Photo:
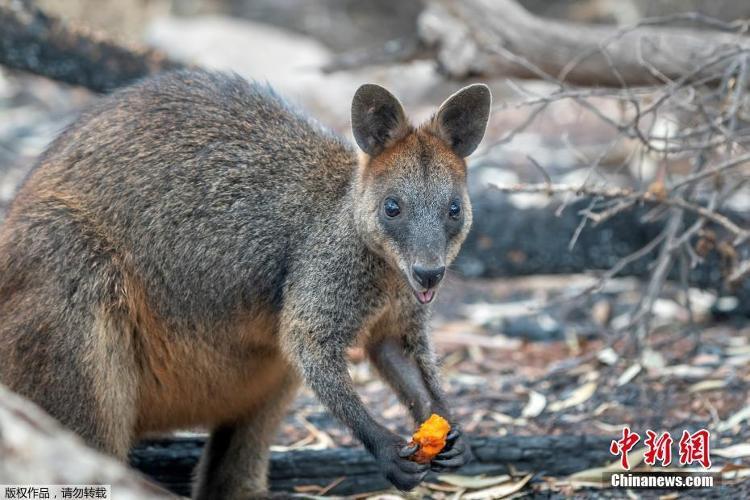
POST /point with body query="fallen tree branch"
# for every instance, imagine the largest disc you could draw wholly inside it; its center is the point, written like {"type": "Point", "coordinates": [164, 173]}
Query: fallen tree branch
{"type": "Point", "coordinates": [499, 38]}
{"type": "Point", "coordinates": [171, 461]}
{"type": "Point", "coordinates": [33, 41]}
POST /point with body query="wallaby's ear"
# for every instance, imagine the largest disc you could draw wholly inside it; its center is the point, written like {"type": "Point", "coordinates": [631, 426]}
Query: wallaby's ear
{"type": "Point", "coordinates": [378, 120]}
{"type": "Point", "coordinates": [462, 118]}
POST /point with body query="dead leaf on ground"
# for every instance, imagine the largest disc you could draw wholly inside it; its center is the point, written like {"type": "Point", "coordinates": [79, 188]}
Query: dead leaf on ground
{"type": "Point", "coordinates": [580, 395]}
{"type": "Point", "coordinates": [740, 450]}
{"type": "Point", "coordinates": [707, 385]}
{"type": "Point", "coordinates": [497, 492]}
{"type": "Point", "coordinates": [686, 371]}
{"type": "Point", "coordinates": [732, 472]}
{"type": "Point", "coordinates": [629, 374]}
{"type": "Point", "coordinates": [442, 487]}
{"type": "Point", "coordinates": [734, 420]}
{"type": "Point", "coordinates": [607, 356]}
{"type": "Point", "coordinates": [535, 406]}
{"type": "Point", "coordinates": [473, 482]}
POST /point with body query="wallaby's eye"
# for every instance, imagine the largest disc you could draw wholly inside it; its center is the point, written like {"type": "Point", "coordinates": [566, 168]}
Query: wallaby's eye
{"type": "Point", "coordinates": [391, 207]}
{"type": "Point", "coordinates": [455, 209]}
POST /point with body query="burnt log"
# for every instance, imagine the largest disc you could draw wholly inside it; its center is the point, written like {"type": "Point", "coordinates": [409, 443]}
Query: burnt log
{"type": "Point", "coordinates": [170, 462]}
{"type": "Point", "coordinates": [33, 41]}
{"type": "Point", "coordinates": [507, 240]}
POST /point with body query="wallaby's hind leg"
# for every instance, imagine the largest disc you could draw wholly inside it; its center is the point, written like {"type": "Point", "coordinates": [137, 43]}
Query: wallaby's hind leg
{"type": "Point", "coordinates": [70, 362]}
{"type": "Point", "coordinates": [234, 464]}
{"type": "Point", "coordinates": [64, 342]}
{"type": "Point", "coordinates": [115, 382]}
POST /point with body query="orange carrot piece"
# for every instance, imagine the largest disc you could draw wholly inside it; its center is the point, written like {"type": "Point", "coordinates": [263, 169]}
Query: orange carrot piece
{"type": "Point", "coordinates": [431, 438]}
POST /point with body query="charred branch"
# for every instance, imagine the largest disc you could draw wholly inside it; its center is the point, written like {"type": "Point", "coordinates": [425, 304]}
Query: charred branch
{"type": "Point", "coordinates": [353, 470]}
{"type": "Point", "coordinates": [32, 41]}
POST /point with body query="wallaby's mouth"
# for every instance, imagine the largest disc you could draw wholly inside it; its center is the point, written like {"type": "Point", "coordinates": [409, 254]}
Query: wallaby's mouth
{"type": "Point", "coordinates": [425, 297]}
{"type": "Point", "coordinates": [424, 282]}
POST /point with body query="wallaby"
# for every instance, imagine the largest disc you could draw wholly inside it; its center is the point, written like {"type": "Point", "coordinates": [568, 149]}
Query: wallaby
{"type": "Point", "coordinates": [192, 247]}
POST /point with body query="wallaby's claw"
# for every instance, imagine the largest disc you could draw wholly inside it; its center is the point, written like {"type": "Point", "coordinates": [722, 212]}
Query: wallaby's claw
{"type": "Point", "coordinates": [408, 450]}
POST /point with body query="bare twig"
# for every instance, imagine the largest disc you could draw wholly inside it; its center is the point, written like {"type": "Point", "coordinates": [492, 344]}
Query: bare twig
{"type": "Point", "coordinates": [627, 193]}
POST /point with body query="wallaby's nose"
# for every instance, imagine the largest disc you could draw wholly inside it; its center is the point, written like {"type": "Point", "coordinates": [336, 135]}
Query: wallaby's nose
{"type": "Point", "coordinates": [428, 278]}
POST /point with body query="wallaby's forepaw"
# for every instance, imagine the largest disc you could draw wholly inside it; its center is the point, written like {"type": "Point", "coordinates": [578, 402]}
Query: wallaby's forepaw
{"type": "Point", "coordinates": [393, 459]}
{"type": "Point", "coordinates": [455, 454]}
